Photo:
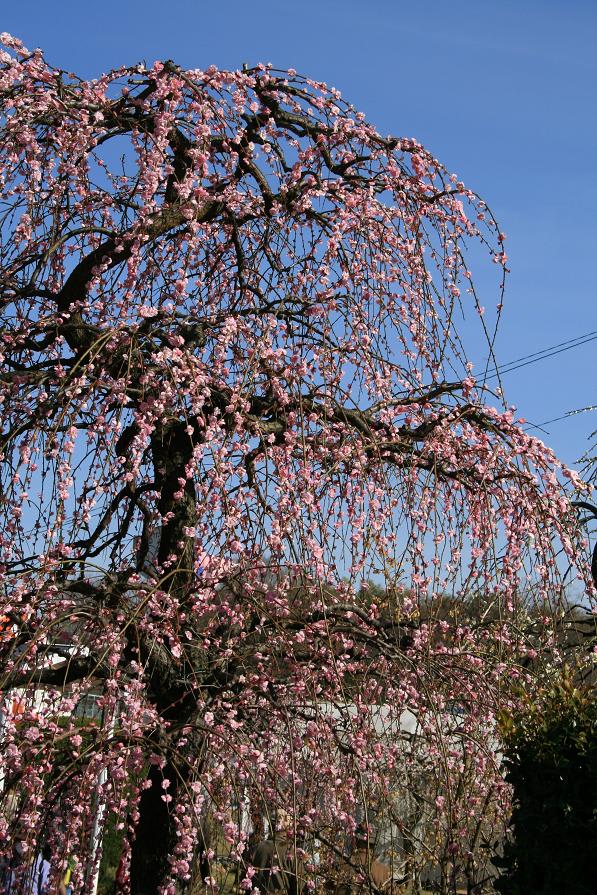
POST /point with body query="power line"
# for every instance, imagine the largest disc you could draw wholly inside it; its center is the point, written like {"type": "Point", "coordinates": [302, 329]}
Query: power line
{"type": "Point", "coordinates": [564, 416]}
{"type": "Point", "coordinates": [545, 353]}
{"type": "Point", "coordinates": [542, 351]}
{"type": "Point", "coordinates": [543, 357]}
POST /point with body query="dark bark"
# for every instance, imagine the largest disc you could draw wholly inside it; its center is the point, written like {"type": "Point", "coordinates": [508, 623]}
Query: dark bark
{"type": "Point", "coordinates": [172, 449]}
{"type": "Point", "coordinates": [155, 834]}
{"type": "Point", "coordinates": [56, 676]}
{"type": "Point", "coordinates": [155, 837]}
{"type": "Point", "coordinates": [153, 840]}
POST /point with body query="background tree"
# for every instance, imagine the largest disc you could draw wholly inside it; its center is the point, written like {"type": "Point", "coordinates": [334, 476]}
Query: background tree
{"type": "Point", "coordinates": [234, 388]}
{"type": "Point", "coordinates": [551, 761]}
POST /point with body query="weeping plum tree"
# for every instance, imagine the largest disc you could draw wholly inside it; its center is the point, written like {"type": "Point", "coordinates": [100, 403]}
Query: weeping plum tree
{"type": "Point", "coordinates": [234, 386]}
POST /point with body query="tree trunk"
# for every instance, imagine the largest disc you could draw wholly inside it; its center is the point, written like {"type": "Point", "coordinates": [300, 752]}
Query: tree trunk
{"type": "Point", "coordinates": [154, 836]}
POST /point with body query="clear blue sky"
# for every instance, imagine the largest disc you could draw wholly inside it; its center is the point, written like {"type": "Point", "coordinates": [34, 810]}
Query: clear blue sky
{"type": "Point", "coordinates": [504, 93]}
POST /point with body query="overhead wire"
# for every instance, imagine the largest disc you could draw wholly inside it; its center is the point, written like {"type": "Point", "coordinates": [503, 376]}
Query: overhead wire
{"type": "Point", "coordinates": [564, 416]}
{"type": "Point", "coordinates": [536, 356]}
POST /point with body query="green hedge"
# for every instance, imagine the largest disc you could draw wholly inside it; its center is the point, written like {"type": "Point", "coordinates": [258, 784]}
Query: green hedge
{"type": "Point", "coordinates": [551, 762]}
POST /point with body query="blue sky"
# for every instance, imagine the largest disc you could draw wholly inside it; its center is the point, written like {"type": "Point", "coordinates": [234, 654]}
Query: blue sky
{"type": "Point", "coordinates": [504, 94]}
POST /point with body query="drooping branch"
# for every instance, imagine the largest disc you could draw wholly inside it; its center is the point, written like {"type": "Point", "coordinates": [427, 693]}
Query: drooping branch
{"type": "Point", "coordinates": [584, 505]}
{"type": "Point", "coordinates": [234, 393]}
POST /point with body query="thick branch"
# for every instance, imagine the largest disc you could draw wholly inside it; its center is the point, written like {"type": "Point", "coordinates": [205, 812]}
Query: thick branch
{"type": "Point", "coordinates": [81, 335]}
{"type": "Point", "coordinates": [55, 676]}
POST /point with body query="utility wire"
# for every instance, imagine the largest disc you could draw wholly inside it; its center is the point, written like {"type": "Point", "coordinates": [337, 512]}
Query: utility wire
{"type": "Point", "coordinates": [502, 371]}
{"type": "Point", "coordinates": [542, 351]}
{"type": "Point", "coordinates": [545, 353]}
{"type": "Point", "coordinates": [564, 416]}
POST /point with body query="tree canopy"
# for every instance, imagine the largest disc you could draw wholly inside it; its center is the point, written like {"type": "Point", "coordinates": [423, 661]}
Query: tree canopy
{"type": "Point", "coordinates": [235, 385]}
